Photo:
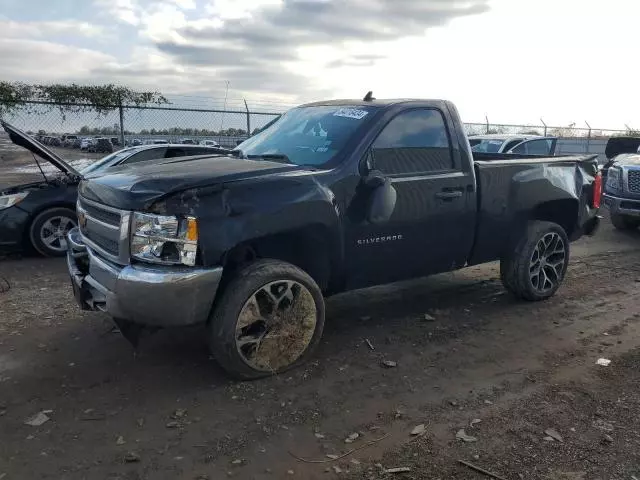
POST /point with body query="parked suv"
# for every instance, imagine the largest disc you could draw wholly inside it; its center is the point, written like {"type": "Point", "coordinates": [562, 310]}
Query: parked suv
{"type": "Point", "coordinates": [622, 184]}
{"type": "Point", "coordinates": [101, 145]}
{"type": "Point", "coordinates": [69, 140]}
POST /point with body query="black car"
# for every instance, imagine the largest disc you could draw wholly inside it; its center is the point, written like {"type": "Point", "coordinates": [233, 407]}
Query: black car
{"type": "Point", "coordinates": [101, 145]}
{"type": "Point", "coordinates": [38, 215]}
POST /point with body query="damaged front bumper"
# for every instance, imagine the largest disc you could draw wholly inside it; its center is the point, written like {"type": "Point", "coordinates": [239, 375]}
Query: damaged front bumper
{"type": "Point", "coordinates": [155, 296]}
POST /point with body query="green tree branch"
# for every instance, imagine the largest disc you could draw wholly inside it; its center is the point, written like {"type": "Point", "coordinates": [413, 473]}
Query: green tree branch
{"type": "Point", "coordinates": [72, 98]}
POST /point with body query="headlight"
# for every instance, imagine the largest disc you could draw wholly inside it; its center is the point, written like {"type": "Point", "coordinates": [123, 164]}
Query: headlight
{"type": "Point", "coordinates": [614, 178]}
{"type": "Point", "coordinates": [7, 201]}
{"type": "Point", "coordinates": [164, 239]}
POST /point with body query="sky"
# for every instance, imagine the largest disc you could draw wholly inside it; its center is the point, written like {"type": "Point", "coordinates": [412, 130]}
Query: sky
{"type": "Point", "coordinates": [514, 61]}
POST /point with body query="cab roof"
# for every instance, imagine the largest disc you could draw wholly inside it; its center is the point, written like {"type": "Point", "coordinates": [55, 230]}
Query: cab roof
{"type": "Point", "coordinates": [375, 102]}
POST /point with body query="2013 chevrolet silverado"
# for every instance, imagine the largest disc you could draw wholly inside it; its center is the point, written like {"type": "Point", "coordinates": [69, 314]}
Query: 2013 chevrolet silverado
{"type": "Point", "coordinates": [333, 196]}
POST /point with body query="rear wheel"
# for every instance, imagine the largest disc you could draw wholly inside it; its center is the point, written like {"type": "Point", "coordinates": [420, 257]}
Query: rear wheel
{"type": "Point", "coordinates": [537, 266]}
{"type": "Point", "coordinates": [48, 231]}
{"type": "Point", "coordinates": [269, 319]}
{"type": "Point", "coordinates": [623, 222]}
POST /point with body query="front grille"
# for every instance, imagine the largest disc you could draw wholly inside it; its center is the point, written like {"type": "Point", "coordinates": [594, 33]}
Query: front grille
{"type": "Point", "coordinates": [107, 244]}
{"type": "Point", "coordinates": [111, 218]}
{"type": "Point", "coordinates": [634, 181]}
{"type": "Point", "coordinates": [100, 226]}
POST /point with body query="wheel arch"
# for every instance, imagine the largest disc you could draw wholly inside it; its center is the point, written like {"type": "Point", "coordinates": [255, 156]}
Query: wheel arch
{"type": "Point", "coordinates": [309, 248]}
{"type": "Point", "coordinates": [563, 212]}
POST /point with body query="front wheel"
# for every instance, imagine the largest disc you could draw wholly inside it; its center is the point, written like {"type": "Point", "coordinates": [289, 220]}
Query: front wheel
{"type": "Point", "coordinates": [535, 269]}
{"type": "Point", "coordinates": [48, 231]}
{"type": "Point", "coordinates": [269, 319]}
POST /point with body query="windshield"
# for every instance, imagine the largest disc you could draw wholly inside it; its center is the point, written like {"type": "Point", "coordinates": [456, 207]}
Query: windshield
{"type": "Point", "coordinates": [108, 160]}
{"type": "Point", "coordinates": [309, 136]}
{"type": "Point", "coordinates": [486, 145]}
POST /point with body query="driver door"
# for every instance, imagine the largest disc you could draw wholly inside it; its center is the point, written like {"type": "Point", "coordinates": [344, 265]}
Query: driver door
{"type": "Point", "coordinates": [431, 228]}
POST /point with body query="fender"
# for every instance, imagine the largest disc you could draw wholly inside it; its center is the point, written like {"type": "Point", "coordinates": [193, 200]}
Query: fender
{"type": "Point", "coordinates": [236, 213]}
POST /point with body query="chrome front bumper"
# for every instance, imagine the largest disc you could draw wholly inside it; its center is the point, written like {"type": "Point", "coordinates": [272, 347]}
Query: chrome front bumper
{"type": "Point", "coordinates": [622, 206]}
{"type": "Point", "coordinates": [147, 295]}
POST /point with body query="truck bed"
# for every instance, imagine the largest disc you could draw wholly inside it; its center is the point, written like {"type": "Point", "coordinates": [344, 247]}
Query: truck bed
{"type": "Point", "coordinates": [511, 190]}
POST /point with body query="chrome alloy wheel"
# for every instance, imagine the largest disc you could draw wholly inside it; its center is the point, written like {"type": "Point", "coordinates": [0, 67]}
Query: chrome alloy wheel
{"type": "Point", "coordinates": [276, 325]}
{"type": "Point", "coordinates": [547, 264]}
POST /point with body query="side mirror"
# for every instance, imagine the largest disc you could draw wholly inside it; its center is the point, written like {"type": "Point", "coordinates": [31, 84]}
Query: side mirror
{"type": "Point", "coordinates": [383, 198]}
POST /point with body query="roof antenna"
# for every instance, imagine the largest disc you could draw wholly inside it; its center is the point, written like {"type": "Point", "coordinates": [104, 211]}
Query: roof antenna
{"type": "Point", "coordinates": [368, 97]}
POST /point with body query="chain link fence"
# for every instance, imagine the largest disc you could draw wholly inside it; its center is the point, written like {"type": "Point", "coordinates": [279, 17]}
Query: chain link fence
{"type": "Point", "coordinates": [131, 125]}
{"type": "Point", "coordinates": [222, 123]}
{"type": "Point", "coordinates": [546, 130]}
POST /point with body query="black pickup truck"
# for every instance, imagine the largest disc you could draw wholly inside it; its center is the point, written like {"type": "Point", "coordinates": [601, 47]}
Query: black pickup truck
{"type": "Point", "coordinates": [333, 196]}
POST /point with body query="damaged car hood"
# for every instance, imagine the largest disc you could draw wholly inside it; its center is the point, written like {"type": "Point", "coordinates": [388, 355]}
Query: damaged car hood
{"type": "Point", "coordinates": [18, 137]}
{"type": "Point", "coordinates": [136, 188]}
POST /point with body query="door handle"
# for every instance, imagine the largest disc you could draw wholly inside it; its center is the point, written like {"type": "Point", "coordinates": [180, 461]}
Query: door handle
{"type": "Point", "coordinates": [449, 195]}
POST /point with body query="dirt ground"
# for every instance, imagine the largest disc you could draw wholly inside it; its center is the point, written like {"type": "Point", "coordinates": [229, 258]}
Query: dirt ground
{"type": "Point", "coordinates": [527, 371]}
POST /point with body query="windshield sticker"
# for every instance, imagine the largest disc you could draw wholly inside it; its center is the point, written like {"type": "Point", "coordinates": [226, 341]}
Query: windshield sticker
{"type": "Point", "coordinates": [351, 113]}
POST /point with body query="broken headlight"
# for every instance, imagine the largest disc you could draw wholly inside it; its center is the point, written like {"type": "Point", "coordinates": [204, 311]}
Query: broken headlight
{"type": "Point", "coordinates": [165, 239]}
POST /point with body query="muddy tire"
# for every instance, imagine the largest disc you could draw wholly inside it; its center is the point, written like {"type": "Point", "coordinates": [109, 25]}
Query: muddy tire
{"type": "Point", "coordinates": [48, 231]}
{"type": "Point", "coordinates": [622, 222]}
{"type": "Point", "coordinates": [268, 319]}
{"type": "Point", "coordinates": [536, 267]}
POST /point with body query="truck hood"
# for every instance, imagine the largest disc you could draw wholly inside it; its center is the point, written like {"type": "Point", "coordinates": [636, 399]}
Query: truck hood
{"type": "Point", "coordinates": [137, 188]}
{"type": "Point", "coordinates": [627, 159]}
{"type": "Point", "coordinates": [21, 139]}
{"type": "Point", "coordinates": [618, 145]}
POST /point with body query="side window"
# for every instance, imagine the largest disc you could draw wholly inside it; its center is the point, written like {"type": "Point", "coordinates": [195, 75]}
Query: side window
{"type": "Point", "coordinates": [198, 151]}
{"type": "Point", "coordinates": [144, 155]}
{"type": "Point", "coordinates": [413, 142]}
{"type": "Point", "coordinates": [175, 152]}
{"type": "Point", "coordinates": [511, 144]}
{"type": "Point", "coordinates": [534, 147]}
